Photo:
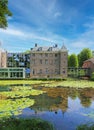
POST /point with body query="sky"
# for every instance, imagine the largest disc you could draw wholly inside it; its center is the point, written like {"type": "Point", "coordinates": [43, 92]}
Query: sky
{"type": "Point", "coordinates": [49, 22]}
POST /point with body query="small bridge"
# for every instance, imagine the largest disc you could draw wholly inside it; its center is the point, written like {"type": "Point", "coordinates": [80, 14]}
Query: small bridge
{"type": "Point", "coordinates": [79, 72]}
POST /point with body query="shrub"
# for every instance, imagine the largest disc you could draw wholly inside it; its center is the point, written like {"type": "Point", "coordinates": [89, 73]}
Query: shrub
{"type": "Point", "coordinates": [25, 124]}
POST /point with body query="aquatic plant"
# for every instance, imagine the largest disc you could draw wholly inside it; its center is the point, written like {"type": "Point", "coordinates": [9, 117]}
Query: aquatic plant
{"type": "Point", "coordinates": [11, 107]}
{"type": "Point", "coordinates": [20, 93]}
{"type": "Point", "coordinates": [12, 102]}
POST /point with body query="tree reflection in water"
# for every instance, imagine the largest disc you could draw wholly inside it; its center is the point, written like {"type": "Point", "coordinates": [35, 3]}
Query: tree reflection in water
{"type": "Point", "coordinates": [57, 98]}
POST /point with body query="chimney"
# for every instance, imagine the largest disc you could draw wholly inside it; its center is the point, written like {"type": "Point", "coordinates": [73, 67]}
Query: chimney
{"type": "Point", "coordinates": [35, 44]}
{"type": "Point", "coordinates": [55, 45]}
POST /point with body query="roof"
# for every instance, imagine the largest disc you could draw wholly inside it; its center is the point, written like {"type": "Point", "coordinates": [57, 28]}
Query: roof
{"type": "Point", "coordinates": [63, 48]}
{"type": "Point", "coordinates": [49, 48]}
{"type": "Point", "coordinates": [91, 60]}
{"type": "Point", "coordinates": [45, 48]}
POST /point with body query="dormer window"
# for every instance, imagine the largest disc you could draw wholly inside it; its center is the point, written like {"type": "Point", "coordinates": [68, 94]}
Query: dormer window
{"type": "Point", "coordinates": [40, 49]}
{"type": "Point", "coordinates": [50, 49]}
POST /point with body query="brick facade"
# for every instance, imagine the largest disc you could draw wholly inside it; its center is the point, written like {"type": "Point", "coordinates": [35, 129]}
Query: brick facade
{"type": "Point", "coordinates": [89, 64]}
{"type": "Point", "coordinates": [48, 62]}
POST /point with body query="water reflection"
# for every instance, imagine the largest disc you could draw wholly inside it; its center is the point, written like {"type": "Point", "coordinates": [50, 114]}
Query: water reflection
{"type": "Point", "coordinates": [67, 105]}
{"type": "Point", "coordinates": [57, 98]}
{"type": "Point", "coordinates": [66, 108]}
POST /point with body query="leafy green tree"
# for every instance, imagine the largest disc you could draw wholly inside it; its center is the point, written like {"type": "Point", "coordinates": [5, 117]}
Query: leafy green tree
{"type": "Point", "coordinates": [68, 61]}
{"type": "Point", "coordinates": [78, 59]}
{"type": "Point", "coordinates": [27, 52]}
{"type": "Point", "coordinates": [4, 13]}
{"type": "Point", "coordinates": [73, 60]}
{"type": "Point", "coordinates": [85, 54]}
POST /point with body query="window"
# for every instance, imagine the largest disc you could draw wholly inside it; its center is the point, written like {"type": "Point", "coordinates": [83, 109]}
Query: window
{"type": "Point", "coordinates": [55, 55]}
{"type": "Point", "coordinates": [40, 49]}
{"type": "Point", "coordinates": [33, 71]}
{"type": "Point", "coordinates": [41, 61]}
{"type": "Point", "coordinates": [46, 54]}
{"type": "Point", "coordinates": [63, 71]}
{"type": "Point", "coordinates": [46, 61]}
{"type": "Point", "coordinates": [56, 71]}
{"type": "Point", "coordinates": [50, 49]}
{"type": "Point", "coordinates": [40, 71]}
{"type": "Point", "coordinates": [46, 70]}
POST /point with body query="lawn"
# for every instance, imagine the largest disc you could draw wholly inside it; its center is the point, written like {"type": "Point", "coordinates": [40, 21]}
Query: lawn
{"type": "Point", "coordinates": [76, 83]}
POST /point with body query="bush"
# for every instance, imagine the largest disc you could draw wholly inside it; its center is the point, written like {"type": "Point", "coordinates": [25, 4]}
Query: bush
{"type": "Point", "coordinates": [25, 124]}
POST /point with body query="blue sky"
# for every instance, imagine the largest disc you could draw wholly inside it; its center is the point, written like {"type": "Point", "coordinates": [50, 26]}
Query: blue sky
{"type": "Point", "coordinates": [48, 22]}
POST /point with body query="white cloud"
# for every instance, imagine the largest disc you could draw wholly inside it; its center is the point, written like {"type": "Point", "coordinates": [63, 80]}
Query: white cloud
{"type": "Point", "coordinates": [33, 23]}
{"type": "Point", "coordinates": [12, 32]}
{"type": "Point", "coordinates": [85, 40]}
{"type": "Point", "coordinates": [48, 37]}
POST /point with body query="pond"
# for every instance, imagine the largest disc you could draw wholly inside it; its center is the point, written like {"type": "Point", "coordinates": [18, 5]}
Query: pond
{"type": "Point", "coordinates": [65, 108]}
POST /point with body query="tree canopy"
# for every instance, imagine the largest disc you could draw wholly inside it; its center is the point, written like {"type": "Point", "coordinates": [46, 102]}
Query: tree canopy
{"type": "Point", "coordinates": [85, 54]}
{"type": "Point", "coordinates": [4, 13]}
{"type": "Point", "coordinates": [73, 60]}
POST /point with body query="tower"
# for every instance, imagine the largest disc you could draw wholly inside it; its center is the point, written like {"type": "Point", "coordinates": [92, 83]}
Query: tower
{"type": "Point", "coordinates": [63, 61]}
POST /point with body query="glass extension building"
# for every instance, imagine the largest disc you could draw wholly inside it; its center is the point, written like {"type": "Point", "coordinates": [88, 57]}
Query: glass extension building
{"type": "Point", "coordinates": [19, 60]}
{"type": "Point", "coordinates": [13, 73]}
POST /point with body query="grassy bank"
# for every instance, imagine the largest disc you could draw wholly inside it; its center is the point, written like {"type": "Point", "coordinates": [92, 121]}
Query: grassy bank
{"type": "Point", "coordinates": [10, 82]}
{"type": "Point", "coordinates": [72, 83]}
{"type": "Point", "coordinates": [76, 83]}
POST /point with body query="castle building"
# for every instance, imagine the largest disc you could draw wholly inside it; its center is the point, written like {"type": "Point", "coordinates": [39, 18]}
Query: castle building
{"type": "Point", "coordinates": [48, 62]}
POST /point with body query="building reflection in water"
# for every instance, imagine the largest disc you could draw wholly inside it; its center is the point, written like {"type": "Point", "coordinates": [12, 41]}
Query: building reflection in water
{"type": "Point", "coordinates": [57, 99]}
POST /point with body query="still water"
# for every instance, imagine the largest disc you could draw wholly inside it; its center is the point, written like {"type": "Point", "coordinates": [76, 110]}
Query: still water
{"type": "Point", "coordinates": [65, 108]}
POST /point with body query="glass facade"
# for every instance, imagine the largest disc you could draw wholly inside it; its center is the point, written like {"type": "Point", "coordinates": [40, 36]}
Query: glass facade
{"type": "Point", "coordinates": [21, 60]}
{"type": "Point", "coordinates": [18, 60]}
{"type": "Point", "coordinates": [13, 73]}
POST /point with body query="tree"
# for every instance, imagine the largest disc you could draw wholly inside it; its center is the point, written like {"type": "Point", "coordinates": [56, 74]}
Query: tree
{"type": "Point", "coordinates": [4, 13]}
{"type": "Point", "coordinates": [27, 52]}
{"type": "Point", "coordinates": [73, 60]}
{"type": "Point", "coordinates": [85, 54]}
{"type": "Point", "coordinates": [68, 60]}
